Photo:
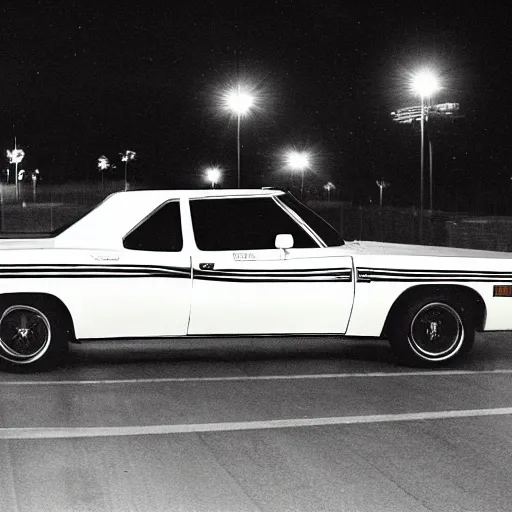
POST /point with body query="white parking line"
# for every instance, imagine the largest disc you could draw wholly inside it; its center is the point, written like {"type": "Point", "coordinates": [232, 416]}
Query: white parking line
{"type": "Point", "coordinates": [251, 377]}
{"type": "Point", "coordinates": [75, 432]}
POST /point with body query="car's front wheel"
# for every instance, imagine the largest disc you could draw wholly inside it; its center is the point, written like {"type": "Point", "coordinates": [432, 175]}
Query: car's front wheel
{"type": "Point", "coordinates": [432, 330]}
{"type": "Point", "coordinates": [32, 333]}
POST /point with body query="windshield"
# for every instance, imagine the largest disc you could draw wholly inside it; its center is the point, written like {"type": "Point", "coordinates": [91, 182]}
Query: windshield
{"type": "Point", "coordinates": [322, 228]}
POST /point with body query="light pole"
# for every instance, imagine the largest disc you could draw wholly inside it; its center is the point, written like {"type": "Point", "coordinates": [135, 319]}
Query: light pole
{"type": "Point", "coordinates": [425, 83]}
{"type": "Point", "coordinates": [430, 170]}
{"type": "Point", "coordinates": [382, 185]}
{"type": "Point", "coordinates": [213, 176]}
{"type": "Point", "coordinates": [35, 178]}
{"type": "Point", "coordinates": [15, 157]}
{"type": "Point", "coordinates": [126, 157]}
{"type": "Point", "coordinates": [239, 102]}
{"type": "Point", "coordinates": [299, 161]}
{"type": "Point", "coordinates": [410, 115]}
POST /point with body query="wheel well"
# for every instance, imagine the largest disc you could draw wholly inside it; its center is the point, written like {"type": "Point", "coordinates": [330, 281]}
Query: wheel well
{"type": "Point", "coordinates": [464, 293]}
{"type": "Point", "coordinates": [49, 299]}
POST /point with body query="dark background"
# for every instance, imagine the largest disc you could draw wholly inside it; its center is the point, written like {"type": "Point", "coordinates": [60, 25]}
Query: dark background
{"type": "Point", "coordinates": [84, 78]}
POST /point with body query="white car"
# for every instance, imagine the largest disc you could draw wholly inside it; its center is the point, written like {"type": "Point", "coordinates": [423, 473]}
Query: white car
{"type": "Point", "coordinates": [153, 264]}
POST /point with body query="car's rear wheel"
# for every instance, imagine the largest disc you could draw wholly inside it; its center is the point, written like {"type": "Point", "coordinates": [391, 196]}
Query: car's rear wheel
{"type": "Point", "coordinates": [430, 331]}
{"type": "Point", "coordinates": [32, 333]}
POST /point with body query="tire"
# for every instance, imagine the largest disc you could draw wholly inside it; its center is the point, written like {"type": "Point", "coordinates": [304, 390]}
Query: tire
{"type": "Point", "coordinates": [33, 334]}
{"type": "Point", "coordinates": [432, 330]}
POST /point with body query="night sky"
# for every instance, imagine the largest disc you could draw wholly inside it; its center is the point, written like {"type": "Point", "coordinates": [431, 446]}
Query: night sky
{"type": "Point", "coordinates": [84, 78]}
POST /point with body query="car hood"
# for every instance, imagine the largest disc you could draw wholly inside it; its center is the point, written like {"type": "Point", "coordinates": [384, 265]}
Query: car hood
{"type": "Point", "coordinates": [389, 249]}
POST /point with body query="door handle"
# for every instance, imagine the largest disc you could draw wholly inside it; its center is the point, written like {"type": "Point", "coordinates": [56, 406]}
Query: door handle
{"type": "Point", "coordinates": [206, 266]}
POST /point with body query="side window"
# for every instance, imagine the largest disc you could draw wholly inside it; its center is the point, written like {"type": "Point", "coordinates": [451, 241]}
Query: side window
{"type": "Point", "coordinates": [161, 231]}
{"type": "Point", "coordinates": [245, 223]}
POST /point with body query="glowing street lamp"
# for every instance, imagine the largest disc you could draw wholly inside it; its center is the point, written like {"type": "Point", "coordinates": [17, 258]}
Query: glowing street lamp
{"type": "Point", "coordinates": [299, 161]}
{"type": "Point", "coordinates": [329, 186]}
{"type": "Point", "coordinates": [126, 157]}
{"type": "Point", "coordinates": [15, 157]}
{"type": "Point", "coordinates": [239, 102]}
{"type": "Point", "coordinates": [424, 83]}
{"type": "Point", "coordinates": [213, 175]}
{"type": "Point", "coordinates": [103, 165]}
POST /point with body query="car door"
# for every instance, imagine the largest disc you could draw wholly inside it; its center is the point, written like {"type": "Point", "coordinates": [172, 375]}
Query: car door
{"type": "Point", "coordinates": [146, 290]}
{"type": "Point", "coordinates": [243, 284]}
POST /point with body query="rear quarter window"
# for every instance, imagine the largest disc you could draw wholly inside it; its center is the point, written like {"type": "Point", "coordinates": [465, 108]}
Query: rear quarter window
{"type": "Point", "coordinates": [160, 232]}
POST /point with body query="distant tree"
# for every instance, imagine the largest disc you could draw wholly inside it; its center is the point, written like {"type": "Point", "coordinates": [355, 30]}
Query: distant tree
{"type": "Point", "coordinates": [127, 157]}
{"type": "Point", "coordinates": [103, 165]}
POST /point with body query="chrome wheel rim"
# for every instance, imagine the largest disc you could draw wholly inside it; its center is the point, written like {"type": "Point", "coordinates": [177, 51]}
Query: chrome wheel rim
{"type": "Point", "coordinates": [436, 332]}
{"type": "Point", "coordinates": [25, 334]}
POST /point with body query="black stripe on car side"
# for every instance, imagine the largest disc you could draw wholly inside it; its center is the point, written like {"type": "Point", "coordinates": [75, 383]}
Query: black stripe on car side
{"type": "Point", "coordinates": [111, 271]}
{"type": "Point", "coordinates": [280, 271]}
{"type": "Point", "coordinates": [77, 271]}
{"type": "Point", "coordinates": [408, 275]}
{"type": "Point", "coordinates": [271, 275]}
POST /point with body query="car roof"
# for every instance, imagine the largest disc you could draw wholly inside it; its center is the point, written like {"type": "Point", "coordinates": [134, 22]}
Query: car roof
{"type": "Point", "coordinates": [119, 212]}
{"type": "Point", "coordinates": [198, 193]}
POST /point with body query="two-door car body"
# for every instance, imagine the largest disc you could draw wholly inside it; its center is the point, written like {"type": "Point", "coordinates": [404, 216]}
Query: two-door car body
{"type": "Point", "coordinates": [163, 263]}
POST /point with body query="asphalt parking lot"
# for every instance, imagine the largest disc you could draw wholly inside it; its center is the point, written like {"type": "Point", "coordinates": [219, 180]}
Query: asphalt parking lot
{"type": "Point", "coordinates": [266, 424]}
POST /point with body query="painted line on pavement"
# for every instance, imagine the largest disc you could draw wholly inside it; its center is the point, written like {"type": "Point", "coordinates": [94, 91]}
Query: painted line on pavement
{"type": "Point", "coordinates": [318, 376]}
{"type": "Point", "coordinates": [81, 432]}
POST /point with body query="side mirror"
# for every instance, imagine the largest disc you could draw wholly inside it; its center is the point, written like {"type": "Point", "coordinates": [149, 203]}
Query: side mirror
{"type": "Point", "coordinates": [284, 241]}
